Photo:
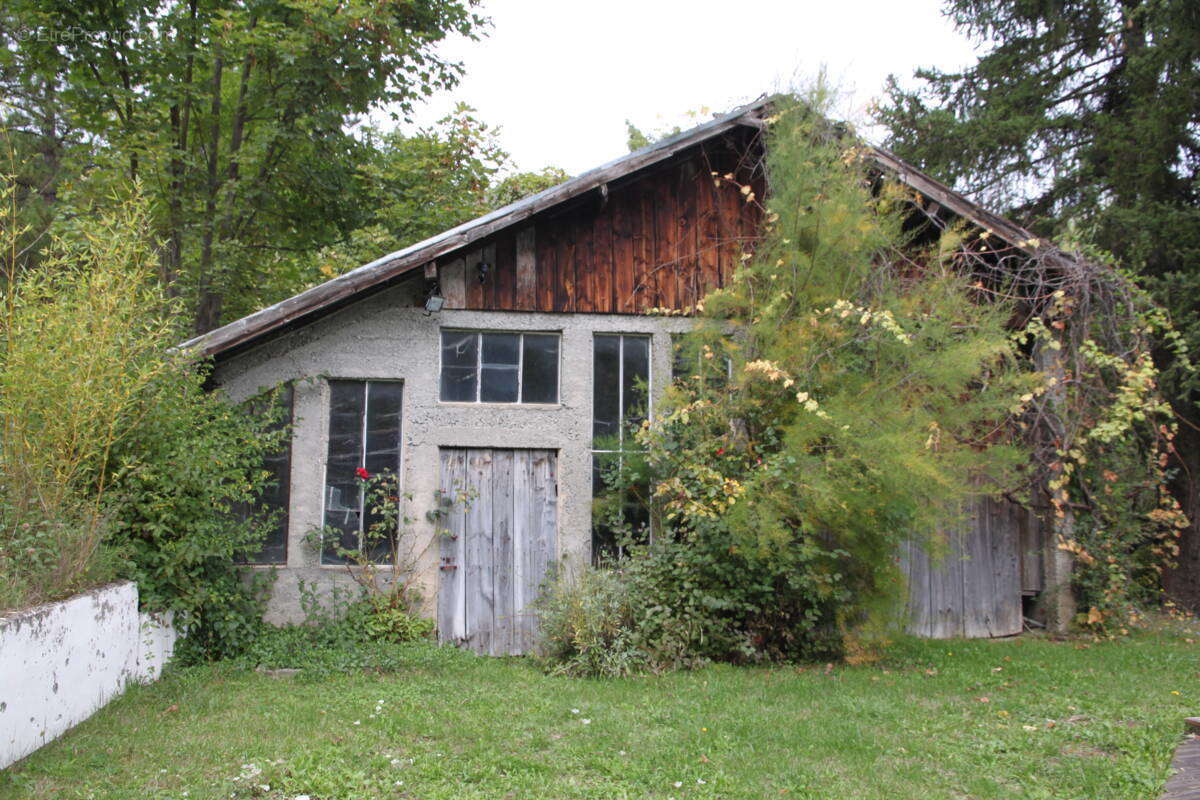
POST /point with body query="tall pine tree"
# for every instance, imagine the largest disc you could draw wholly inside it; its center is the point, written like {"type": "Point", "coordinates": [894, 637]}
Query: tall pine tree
{"type": "Point", "coordinates": [1083, 116]}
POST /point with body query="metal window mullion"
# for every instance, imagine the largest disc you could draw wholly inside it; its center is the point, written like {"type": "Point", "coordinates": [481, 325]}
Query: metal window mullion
{"type": "Point", "coordinates": [479, 366]}
{"type": "Point", "coordinates": [520, 367]}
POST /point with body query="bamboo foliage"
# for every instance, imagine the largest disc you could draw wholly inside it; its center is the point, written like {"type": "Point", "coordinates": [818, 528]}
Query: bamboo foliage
{"type": "Point", "coordinates": [83, 339]}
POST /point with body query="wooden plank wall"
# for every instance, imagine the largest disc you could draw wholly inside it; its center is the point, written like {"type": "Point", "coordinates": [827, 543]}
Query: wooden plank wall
{"type": "Point", "coordinates": [498, 547]}
{"type": "Point", "coordinates": [659, 240]}
{"type": "Point", "coordinates": [974, 590]}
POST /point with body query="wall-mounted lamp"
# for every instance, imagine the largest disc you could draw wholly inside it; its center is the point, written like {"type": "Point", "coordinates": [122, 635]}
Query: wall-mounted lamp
{"type": "Point", "coordinates": [484, 268]}
{"type": "Point", "coordinates": [434, 302]}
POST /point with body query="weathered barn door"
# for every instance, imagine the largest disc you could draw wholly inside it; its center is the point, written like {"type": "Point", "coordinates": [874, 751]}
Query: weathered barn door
{"type": "Point", "coordinates": [498, 544]}
{"type": "Point", "coordinates": [975, 588]}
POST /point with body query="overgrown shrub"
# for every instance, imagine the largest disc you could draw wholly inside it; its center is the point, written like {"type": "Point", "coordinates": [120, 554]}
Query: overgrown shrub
{"type": "Point", "coordinates": [1123, 536]}
{"type": "Point", "coordinates": [78, 355]}
{"type": "Point", "coordinates": [869, 393]}
{"type": "Point", "coordinates": [114, 460]}
{"type": "Point", "coordinates": [179, 484]}
{"type": "Point", "coordinates": [588, 625]}
{"type": "Point", "coordinates": [1108, 460]}
{"type": "Point", "coordinates": [44, 558]}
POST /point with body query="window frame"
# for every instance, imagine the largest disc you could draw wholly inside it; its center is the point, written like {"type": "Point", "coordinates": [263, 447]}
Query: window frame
{"type": "Point", "coordinates": [362, 511]}
{"type": "Point", "coordinates": [622, 450]}
{"type": "Point", "coordinates": [620, 337]}
{"type": "Point", "coordinates": [479, 333]}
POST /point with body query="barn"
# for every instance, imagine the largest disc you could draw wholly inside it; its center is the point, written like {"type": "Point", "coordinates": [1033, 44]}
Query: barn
{"type": "Point", "coordinates": [499, 358]}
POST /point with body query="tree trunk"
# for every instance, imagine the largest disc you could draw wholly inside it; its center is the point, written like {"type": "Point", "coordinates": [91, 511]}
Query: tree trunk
{"type": "Point", "coordinates": [181, 120]}
{"type": "Point", "coordinates": [208, 308]}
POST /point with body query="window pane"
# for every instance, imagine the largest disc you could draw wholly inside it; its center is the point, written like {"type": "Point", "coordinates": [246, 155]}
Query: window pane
{"type": "Point", "coordinates": [604, 538]}
{"type": "Point", "coordinates": [501, 348]}
{"type": "Point", "coordinates": [636, 513]}
{"type": "Point", "coordinates": [636, 380]}
{"type": "Point", "coordinates": [539, 373]}
{"type": "Point", "coordinates": [606, 379]}
{"type": "Point", "coordinates": [343, 502]}
{"type": "Point", "coordinates": [498, 375]}
{"type": "Point", "coordinates": [459, 366]}
{"type": "Point", "coordinates": [383, 426]}
{"type": "Point", "coordinates": [276, 494]}
{"type": "Point", "coordinates": [382, 450]}
{"type": "Point", "coordinates": [498, 384]}
{"type": "Point", "coordinates": [347, 402]}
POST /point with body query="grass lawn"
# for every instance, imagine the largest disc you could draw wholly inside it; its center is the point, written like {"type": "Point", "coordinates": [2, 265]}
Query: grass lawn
{"type": "Point", "coordinates": [983, 719]}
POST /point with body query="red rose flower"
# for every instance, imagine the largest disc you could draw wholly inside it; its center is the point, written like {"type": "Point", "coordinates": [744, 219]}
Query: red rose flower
{"type": "Point", "coordinates": [720, 451]}
{"type": "Point", "coordinates": [362, 473]}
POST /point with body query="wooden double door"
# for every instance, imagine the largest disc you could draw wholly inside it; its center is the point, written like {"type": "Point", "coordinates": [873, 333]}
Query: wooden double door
{"type": "Point", "coordinates": [499, 539]}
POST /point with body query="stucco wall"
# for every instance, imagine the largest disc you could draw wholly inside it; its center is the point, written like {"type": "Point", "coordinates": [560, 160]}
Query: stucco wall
{"type": "Point", "coordinates": [61, 662]}
{"type": "Point", "coordinates": [386, 337]}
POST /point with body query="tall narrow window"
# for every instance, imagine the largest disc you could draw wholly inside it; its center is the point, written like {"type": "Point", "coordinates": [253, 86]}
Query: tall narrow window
{"type": "Point", "coordinates": [620, 403]}
{"type": "Point", "coordinates": [277, 493]}
{"type": "Point", "coordinates": [364, 433]}
{"type": "Point", "coordinates": [485, 367]}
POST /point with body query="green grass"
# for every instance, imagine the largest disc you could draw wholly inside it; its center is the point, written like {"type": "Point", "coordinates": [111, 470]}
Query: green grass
{"type": "Point", "coordinates": [1074, 719]}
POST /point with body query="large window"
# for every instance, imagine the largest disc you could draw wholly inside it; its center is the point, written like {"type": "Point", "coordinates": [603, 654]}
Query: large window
{"type": "Point", "coordinates": [364, 433]}
{"type": "Point", "coordinates": [482, 367]}
{"type": "Point", "coordinates": [620, 403]}
{"type": "Point", "coordinates": [273, 502]}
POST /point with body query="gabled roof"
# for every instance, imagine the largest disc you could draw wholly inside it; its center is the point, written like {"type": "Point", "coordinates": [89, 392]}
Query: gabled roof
{"type": "Point", "coordinates": [337, 291]}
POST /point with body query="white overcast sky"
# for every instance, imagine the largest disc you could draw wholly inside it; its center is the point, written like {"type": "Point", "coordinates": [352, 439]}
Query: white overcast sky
{"type": "Point", "coordinates": [560, 77]}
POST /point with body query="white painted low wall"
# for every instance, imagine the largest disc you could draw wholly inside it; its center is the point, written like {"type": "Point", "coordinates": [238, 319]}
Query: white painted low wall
{"type": "Point", "coordinates": [61, 662]}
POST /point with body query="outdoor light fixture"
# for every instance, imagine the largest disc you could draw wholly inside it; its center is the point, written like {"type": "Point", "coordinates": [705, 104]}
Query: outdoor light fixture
{"type": "Point", "coordinates": [434, 302]}
{"type": "Point", "coordinates": [483, 268]}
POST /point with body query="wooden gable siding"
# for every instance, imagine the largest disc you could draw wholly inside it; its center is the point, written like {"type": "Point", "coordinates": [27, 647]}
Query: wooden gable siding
{"type": "Point", "coordinates": [659, 240]}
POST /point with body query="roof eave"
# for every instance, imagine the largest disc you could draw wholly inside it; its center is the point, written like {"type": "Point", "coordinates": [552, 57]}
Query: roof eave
{"type": "Point", "coordinates": [249, 328]}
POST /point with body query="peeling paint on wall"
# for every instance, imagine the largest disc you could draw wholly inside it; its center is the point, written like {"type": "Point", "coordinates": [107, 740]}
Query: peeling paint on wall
{"type": "Point", "coordinates": [61, 662]}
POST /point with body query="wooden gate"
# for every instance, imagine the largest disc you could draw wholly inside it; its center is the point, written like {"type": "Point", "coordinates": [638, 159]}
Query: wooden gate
{"type": "Point", "coordinates": [498, 543]}
{"type": "Point", "coordinates": [975, 589]}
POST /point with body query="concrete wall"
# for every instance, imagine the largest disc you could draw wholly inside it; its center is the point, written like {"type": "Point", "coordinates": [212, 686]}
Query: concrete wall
{"type": "Point", "coordinates": [386, 337]}
{"type": "Point", "coordinates": [61, 662]}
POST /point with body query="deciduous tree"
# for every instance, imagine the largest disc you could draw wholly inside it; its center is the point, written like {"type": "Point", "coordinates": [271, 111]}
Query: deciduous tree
{"type": "Point", "coordinates": [234, 116]}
